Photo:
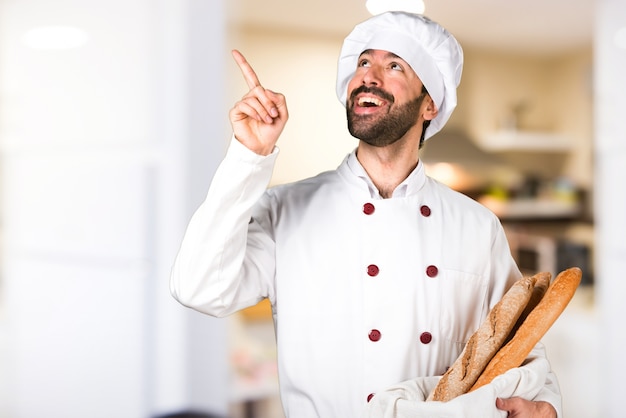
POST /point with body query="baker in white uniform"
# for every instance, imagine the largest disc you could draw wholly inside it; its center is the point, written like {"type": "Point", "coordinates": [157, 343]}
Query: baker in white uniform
{"type": "Point", "coordinates": [376, 273]}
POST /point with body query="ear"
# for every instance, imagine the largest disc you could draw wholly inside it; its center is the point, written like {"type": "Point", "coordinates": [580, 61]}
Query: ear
{"type": "Point", "coordinates": [430, 108]}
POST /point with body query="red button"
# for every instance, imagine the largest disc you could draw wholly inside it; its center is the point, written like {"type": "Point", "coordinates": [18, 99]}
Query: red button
{"type": "Point", "coordinates": [372, 270]}
{"type": "Point", "coordinates": [370, 396]}
{"type": "Point", "coordinates": [425, 211]}
{"type": "Point", "coordinates": [432, 271]}
{"type": "Point", "coordinates": [426, 337]}
{"type": "Point", "coordinates": [368, 208]}
{"type": "Point", "coordinates": [374, 335]}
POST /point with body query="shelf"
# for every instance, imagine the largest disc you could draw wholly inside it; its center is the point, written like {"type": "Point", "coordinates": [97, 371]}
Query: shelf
{"type": "Point", "coordinates": [528, 141]}
{"type": "Point", "coordinates": [532, 208]}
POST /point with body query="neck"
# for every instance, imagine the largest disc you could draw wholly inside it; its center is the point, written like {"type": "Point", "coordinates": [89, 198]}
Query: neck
{"type": "Point", "coordinates": [390, 165]}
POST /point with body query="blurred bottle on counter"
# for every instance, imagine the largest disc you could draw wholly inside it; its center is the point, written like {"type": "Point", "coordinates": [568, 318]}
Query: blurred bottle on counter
{"type": "Point", "coordinates": [565, 190]}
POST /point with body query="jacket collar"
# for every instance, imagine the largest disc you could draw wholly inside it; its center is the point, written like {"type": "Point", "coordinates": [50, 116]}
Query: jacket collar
{"type": "Point", "coordinates": [410, 186]}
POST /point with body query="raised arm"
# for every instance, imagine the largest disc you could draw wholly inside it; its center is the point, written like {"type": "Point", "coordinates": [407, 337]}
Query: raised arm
{"type": "Point", "coordinates": [225, 263]}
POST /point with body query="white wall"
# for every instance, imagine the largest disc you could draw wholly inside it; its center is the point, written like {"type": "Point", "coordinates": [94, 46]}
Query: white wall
{"type": "Point", "coordinates": [610, 169]}
{"type": "Point", "coordinates": [105, 153]}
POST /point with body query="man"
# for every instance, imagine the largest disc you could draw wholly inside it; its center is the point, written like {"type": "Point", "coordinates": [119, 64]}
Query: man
{"type": "Point", "coordinates": [376, 273]}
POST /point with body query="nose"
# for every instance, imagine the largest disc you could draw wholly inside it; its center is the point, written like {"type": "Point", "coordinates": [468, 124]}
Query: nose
{"type": "Point", "coordinates": [373, 76]}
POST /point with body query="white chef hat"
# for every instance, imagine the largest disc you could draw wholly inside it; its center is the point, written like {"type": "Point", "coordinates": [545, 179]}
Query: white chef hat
{"type": "Point", "coordinates": [432, 52]}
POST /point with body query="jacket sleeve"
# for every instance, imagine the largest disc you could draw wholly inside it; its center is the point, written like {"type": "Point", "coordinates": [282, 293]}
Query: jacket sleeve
{"type": "Point", "coordinates": [550, 392]}
{"type": "Point", "coordinates": [226, 262]}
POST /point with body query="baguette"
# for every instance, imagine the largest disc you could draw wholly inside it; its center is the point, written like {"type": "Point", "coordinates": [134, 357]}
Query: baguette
{"type": "Point", "coordinates": [542, 283]}
{"type": "Point", "coordinates": [536, 324]}
{"type": "Point", "coordinates": [485, 342]}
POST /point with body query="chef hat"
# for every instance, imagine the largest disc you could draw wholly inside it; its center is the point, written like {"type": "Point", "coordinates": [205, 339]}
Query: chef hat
{"type": "Point", "coordinates": [432, 52]}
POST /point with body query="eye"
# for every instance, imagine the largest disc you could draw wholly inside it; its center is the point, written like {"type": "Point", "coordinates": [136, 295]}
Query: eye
{"type": "Point", "coordinates": [364, 63]}
{"type": "Point", "coordinates": [395, 66]}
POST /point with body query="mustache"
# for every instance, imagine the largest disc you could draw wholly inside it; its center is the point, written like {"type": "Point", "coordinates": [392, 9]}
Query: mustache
{"type": "Point", "coordinates": [372, 90]}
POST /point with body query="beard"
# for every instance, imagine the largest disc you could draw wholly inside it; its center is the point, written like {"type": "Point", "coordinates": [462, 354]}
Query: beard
{"type": "Point", "coordinates": [382, 129]}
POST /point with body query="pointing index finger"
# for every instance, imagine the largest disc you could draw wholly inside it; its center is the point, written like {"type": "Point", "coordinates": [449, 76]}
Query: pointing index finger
{"type": "Point", "coordinates": [246, 70]}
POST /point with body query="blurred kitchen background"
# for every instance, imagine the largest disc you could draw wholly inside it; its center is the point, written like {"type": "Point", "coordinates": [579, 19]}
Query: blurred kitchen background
{"type": "Point", "coordinates": [113, 118]}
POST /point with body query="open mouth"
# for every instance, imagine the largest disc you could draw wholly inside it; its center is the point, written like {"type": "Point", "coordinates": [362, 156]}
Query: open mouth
{"type": "Point", "coordinates": [369, 102]}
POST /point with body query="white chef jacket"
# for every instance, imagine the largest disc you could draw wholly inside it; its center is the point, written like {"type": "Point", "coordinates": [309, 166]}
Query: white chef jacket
{"type": "Point", "coordinates": [365, 292]}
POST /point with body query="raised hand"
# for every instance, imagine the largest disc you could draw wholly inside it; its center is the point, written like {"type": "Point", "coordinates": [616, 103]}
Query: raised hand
{"type": "Point", "coordinates": [260, 116]}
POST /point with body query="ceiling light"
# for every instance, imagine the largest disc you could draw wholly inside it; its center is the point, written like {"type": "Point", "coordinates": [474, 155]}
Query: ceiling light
{"type": "Point", "coordinates": [376, 7]}
{"type": "Point", "coordinates": [55, 37]}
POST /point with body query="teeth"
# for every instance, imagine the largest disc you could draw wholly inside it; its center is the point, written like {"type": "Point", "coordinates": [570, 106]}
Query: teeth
{"type": "Point", "coordinates": [369, 100]}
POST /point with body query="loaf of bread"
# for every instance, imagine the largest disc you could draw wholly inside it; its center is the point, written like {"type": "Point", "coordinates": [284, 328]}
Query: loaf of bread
{"type": "Point", "coordinates": [485, 342]}
{"type": "Point", "coordinates": [536, 324]}
{"type": "Point", "coordinates": [542, 282]}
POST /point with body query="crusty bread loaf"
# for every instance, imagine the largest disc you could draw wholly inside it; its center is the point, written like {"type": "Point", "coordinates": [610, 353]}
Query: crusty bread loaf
{"type": "Point", "coordinates": [536, 324]}
{"type": "Point", "coordinates": [485, 342]}
{"type": "Point", "coordinates": [542, 282]}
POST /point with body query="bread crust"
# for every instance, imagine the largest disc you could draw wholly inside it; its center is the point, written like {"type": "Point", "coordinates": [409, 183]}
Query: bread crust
{"type": "Point", "coordinates": [536, 324]}
{"type": "Point", "coordinates": [542, 283]}
{"type": "Point", "coordinates": [485, 342]}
